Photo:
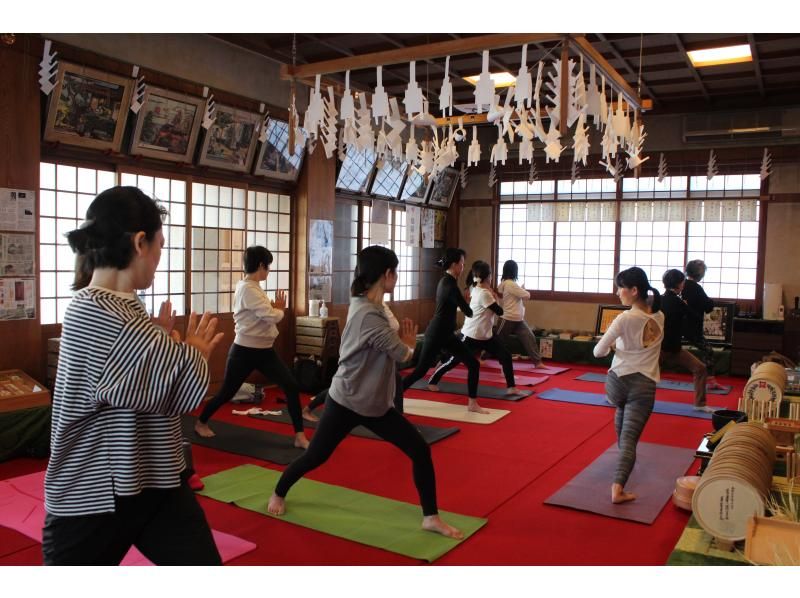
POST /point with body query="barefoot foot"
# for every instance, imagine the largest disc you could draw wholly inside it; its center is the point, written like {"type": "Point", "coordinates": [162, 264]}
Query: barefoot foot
{"type": "Point", "coordinates": [434, 523]}
{"type": "Point", "coordinates": [475, 408]}
{"type": "Point", "coordinates": [618, 494]}
{"type": "Point", "coordinates": [309, 415]}
{"type": "Point", "coordinates": [433, 388]}
{"type": "Point", "coordinates": [513, 390]}
{"type": "Point", "coordinates": [203, 430]}
{"type": "Point", "coordinates": [276, 505]}
{"type": "Point", "coordinates": [300, 440]}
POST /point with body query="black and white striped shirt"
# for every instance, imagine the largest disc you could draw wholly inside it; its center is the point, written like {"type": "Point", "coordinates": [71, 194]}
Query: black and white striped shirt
{"type": "Point", "coordinates": [121, 386]}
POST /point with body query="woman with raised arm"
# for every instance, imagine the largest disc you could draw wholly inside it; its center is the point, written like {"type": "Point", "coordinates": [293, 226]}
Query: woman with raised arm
{"type": "Point", "coordinates": [440, 333]}
{"type": "Point", "coordinates": [114, 479]}
{"type": "Point", "coordinates": [636, 337]}
{"type": "Point", "coordinates": [359, 394]}
{"type": "Point", "coordinates": [256, 330]}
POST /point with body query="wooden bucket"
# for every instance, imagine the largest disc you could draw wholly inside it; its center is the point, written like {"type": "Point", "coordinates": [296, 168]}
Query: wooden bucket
{"type": "Point", "coordinates": [767, 383]}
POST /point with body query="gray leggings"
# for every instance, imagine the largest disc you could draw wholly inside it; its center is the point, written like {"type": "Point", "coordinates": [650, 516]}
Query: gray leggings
{"type": "Point", "coordinates": [525, 335]}
{"type": "Point", "coordinates": [633, 396]}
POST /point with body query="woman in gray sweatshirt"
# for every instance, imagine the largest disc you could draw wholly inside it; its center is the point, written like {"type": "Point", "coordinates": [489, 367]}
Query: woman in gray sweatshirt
{"type": "Point", "coordinates": [360, 394]}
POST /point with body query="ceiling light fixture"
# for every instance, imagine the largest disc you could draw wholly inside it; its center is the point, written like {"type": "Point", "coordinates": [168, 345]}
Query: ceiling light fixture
{"type": "Point", "coordinates": [504, 79]}
{"type": "Point", "coordinates": [717, 56]}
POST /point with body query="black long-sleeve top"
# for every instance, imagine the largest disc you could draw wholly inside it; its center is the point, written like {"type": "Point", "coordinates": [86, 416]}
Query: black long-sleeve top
{"type": "Point", "coordinates": [448, 300]}
{"type": "Point", "coordinates": [676, 313]}
{"type": "Point", "coordinates": [700, 304]}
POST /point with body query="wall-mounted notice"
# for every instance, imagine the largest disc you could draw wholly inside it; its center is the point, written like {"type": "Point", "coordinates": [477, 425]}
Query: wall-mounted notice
{"type": "Point", "coordinates": [17, 209]}
{"type": "Point", "coordinates": [16, 255]}
{"type": "Point", "coordinates": [17, 298]}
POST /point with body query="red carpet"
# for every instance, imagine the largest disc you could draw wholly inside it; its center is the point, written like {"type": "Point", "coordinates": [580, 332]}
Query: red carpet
{"type": "Point", "coordinates": [504, 472]}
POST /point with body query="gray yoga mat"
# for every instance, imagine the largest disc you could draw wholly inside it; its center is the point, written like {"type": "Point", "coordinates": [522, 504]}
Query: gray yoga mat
{"type": "Point", "coordinates": [652, 481]}
{"type": "Point", "coordinates": [485, 392]}
{"type": "Point", "coordinates": [431, 434]}
{"type": "Point", "coordinates": [591, 398]}
{"type": "Point", "coordinates": [665, 384]}
{"type": "Point", "coordinates": [249, 442]}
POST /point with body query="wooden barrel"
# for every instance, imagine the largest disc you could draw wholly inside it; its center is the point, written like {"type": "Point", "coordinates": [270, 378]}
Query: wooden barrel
{"type": "Point", "coordinates": [767, 383]}
{"type": "Point", "coordinates": [736, 482]}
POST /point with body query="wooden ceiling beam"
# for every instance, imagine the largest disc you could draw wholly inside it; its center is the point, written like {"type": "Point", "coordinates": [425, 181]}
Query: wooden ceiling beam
{"type": "Point", "coordinates": [582, 45]}
{"type": "Point", "coordinates": [693, 70]}
{"type": "Point", "coordinates": [628, 67]}
{"type": "Point", "coordinates": [422, 52]}
{"type": "Point", "coordinates": [756, 65]}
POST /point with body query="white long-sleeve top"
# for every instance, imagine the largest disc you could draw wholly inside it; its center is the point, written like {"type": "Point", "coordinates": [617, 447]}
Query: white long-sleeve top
{"type": "Point", "coordinates": [255, 317]}
{"type": "Point", "coordinates": [631, 356]}
{"type": "Point", "coordinates": [514, 297]}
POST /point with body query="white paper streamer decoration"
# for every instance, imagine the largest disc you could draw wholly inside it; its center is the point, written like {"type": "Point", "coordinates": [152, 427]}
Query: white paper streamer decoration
{"type": "Point", "coordinates": [48, 68]}
{"type": "Point", "coordinates": [413, 96]}
{"type": "Point", "coordinates": [380, 101]}
{"type": "Point", "coordinates": [523, 84]}
{"type": "Point", "coordinates": [137, 97]}
{"type": "Point", "coordinates": [484, 90]}
{"type": "Point", "coordinates": [211, 112]}
{"type": "Point", "coordinates": [446, 93]}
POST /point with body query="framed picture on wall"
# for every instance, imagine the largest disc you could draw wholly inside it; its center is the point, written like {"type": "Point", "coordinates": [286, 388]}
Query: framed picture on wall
{"type": "Point", "coordinates": [718, 324]}
{"type": "Point", "coordinates": [605, 315]}
{"type": "Point", "coordinates": [442, 188]}
{"type": "Point", "coordinates": [88, 108]}
{"type": "Point", "coordinates": [167, 125]}
{"type": "Point", "coordinates": [274, 158]}
{"type": "Point", "coordinates": [231, 141]}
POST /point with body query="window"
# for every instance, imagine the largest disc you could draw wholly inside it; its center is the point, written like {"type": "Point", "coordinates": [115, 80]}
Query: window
{"type": "Point", "coordinates": [662, 225]}
{"type": "Point", "coordinates": [345, 249]}
{"type": "Point", "coordinates": [217, 242]}
{"type": "Point", "coordinates": [388, 179]}
{"type": "Point", "coordinates": [355, 171]}
{"type": "Point", "coordinates": [269, 223]}
{"type": "Point", "coordinates": [64, 196]}
{"type": "Point", "coordinates": [169, 281]}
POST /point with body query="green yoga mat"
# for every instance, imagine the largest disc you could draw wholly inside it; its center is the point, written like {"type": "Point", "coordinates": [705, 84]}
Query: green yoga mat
{"type": "Point", "coordinates": [365, 518]}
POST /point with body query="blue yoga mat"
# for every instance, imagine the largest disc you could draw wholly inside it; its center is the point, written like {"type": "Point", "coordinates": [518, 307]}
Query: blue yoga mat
{"type": "Point", "coordinates": [665, 384]}
{"type": "Point", "coordinates": [590, 398]}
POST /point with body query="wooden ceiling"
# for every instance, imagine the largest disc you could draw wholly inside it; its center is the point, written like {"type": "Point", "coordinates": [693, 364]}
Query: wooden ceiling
{"type": "Point", "coordinates": [667, 76]}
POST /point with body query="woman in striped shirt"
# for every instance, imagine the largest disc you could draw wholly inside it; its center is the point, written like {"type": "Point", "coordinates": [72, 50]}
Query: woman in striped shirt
{"type": "Point", "coordinates": [114, 476]}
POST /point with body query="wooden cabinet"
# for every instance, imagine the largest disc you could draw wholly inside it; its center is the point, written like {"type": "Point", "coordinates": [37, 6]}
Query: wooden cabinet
{"type": "Point", "coordinates": [318, 337]}
{"type": "Point", "coordinates": [791, 339]}
{"type": "Point", "coordinates": [752, 339]}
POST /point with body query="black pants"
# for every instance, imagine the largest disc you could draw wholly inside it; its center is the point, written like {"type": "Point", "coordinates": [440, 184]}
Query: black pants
{"type": "Point", "coordinates": [320, 398]}
{"type": "Point", "coordinates": [706, 353]}
{"type": "Point", "coordinates": [434, 343]}
{"type": "Point", "coordinates": [241, 363]}
{"type": "Point", "coordinates": [493, 346]}
{"type": "Point", "coordinates": [337, 422]}
{"type": "Point", "coordinates": [167, 526]}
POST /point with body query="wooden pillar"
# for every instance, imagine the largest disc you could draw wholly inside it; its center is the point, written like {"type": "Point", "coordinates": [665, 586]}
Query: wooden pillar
{"type": "Point", "coordinates": [20, 134]}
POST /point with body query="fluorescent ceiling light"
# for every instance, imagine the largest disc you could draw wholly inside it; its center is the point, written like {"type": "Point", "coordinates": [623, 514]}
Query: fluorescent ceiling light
{"type": "Point", "coordinates": [503, 79]}
{"type": "Point", "coordinates": [726, 55]}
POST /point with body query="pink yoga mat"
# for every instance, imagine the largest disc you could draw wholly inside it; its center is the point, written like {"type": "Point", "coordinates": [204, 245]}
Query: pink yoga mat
{"type": "Point", "coordinates": [488, 375]}
{"type": "Point", "coordinates": [22, 509]}
{"type": "Point", "coordinates": [525, 366]}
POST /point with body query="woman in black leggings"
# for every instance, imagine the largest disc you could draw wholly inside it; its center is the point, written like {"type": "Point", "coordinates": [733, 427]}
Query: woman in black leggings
{"type": "Point", "coordinates": [256, 331]}
{"type": "Point", "coordinates": [440, 333]}
{"type": "Point", "coordinates": [477, 332]}
{"type": "Point", "coordinates": [359, 394]}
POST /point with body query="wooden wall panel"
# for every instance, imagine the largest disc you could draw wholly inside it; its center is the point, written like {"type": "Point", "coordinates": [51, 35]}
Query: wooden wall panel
{"type": "Point", "coordinates": [19, 168]}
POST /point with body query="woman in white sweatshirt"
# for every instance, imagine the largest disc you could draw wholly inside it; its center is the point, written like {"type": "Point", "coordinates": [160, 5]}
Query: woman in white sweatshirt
{"type": "Point", "coordinates": [513, 319]}
{"type": "Point", "coordinates": [256, 318]}
{"type": "Point", "coordinates": [636, 336]}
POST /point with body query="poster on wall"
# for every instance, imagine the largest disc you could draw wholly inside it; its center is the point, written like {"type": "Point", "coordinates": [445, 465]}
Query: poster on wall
{"type": "Point", "coordinates": [412, 226]}
{"type": "Point", "coordinates": [379, 222]}
{"type": "Point", "coordinates": [319, 287]}
{"type": "Point", "coordinates": [168, 125]}
{"type": "Point", "coordinates": [320, 247]}
{"type": "Point", "coordinates": [428, 228]}
{"type": "Point", "coordinates": [440, 228]}
{"type": "Point", "coordinates": [17, 298]}
{"type": "Point", "coordinates": [17, 209]}
{"type": "Point", "coordinates": [88, 108]}
{"type": "Point", "coordinates": [16, 255]}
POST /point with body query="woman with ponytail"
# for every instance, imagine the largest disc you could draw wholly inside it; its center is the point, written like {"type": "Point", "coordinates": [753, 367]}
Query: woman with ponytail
{"type": "Point", "coordinates": [359, 394]}
{"type": "Point", "coordinates": [440, 333]}
{"type": "Point", "coordinates": [477, 331]}
{"type": "Point", "coordinates": [636, 337]}
{"type": "Point", "coordinates": [115, 476]}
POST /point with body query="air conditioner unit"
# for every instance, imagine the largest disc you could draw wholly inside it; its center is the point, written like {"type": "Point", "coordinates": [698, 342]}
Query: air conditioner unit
{"type": "Point", "coordinates": [744, 128]}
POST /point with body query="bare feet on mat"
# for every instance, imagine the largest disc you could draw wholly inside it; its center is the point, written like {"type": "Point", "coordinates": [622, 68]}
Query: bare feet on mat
{"type": "Point", "coordinates": [434, 523]}
{"type": "Point", "coordinates": [618, 494]}
{"type": "Point", "coordinates": [300, 440]}
{"type": "Point", "coordinates": [309, 415]}
{"type": "Point", "coordinates": [276, 505]}
{"type": "Point", "coordinates": [513, 390]}
{"type": "Point", "coordinates": [203, 430]}
{"type": "Point", "coordinates": [433, 388]}
{"type": "Point", "coordinates": [475, 408]}
{"type": "Point", "coordinates": [705, 409]}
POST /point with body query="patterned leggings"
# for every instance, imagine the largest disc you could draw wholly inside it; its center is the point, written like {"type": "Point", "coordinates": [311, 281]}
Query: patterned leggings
{"type": "Point", "coordinates": [634, 396]}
